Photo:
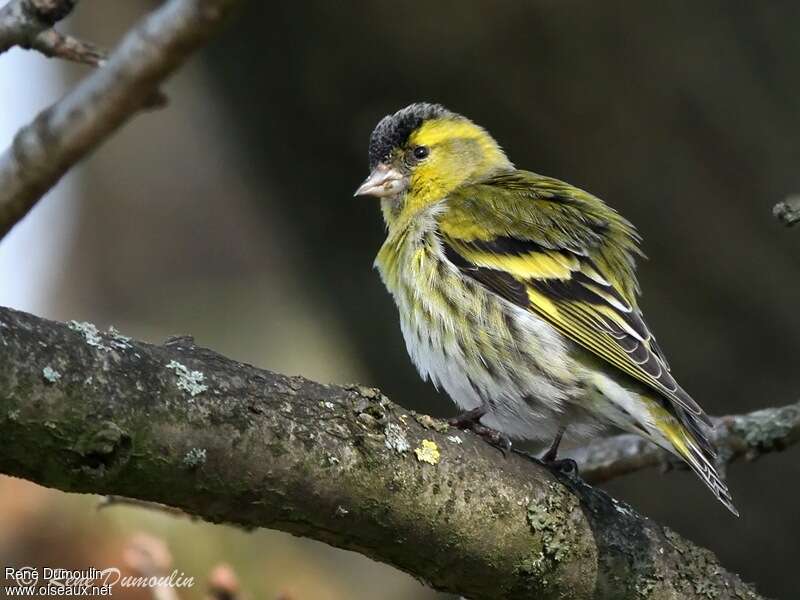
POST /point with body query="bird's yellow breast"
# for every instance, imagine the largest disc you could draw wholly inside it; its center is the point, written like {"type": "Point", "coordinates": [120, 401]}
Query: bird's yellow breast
{"type": "Point", "coordinates": [456, 316]}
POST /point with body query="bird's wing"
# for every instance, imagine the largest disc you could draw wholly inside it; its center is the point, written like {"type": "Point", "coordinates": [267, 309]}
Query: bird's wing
{"type": "Point", "coordinates": [508, 233]}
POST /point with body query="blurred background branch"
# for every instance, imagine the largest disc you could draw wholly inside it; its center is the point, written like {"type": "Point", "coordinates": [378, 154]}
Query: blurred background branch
{"type": "Point", "coordinates": [54, 44]}
{"type": "Point", "coordinates": [29, 24]}
{"type": "Point", "coordinates": [788, 211]}
{"type": "Point", "coordinates": [747, 436]}
{"type": "Point", "coordinates": [21, 21]}
{"type": "Point", "coordinates": [85, 411]}
{"type": "Point", "coordinates": [60, 136]}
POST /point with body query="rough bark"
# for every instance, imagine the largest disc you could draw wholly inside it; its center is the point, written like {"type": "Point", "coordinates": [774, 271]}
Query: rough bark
{"type": "Point", "coordinates": [91, 412]}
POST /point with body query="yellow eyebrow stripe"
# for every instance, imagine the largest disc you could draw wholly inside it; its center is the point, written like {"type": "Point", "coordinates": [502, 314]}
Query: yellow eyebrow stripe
{"type": "Point", "coordinates": [436, 131]}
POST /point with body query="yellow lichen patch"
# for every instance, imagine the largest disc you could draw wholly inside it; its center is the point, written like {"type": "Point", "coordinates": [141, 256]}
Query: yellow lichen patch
{"type": "Point", "coordinates": [428, 452]}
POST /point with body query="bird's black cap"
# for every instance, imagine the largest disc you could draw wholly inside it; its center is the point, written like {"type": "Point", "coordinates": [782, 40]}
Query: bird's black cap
{"type": "Point", "coordinates": [393, 130]}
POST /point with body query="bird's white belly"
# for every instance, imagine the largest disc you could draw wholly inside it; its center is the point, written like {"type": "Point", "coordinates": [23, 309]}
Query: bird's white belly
{"type": "Point", "coordinates": [523, 399]}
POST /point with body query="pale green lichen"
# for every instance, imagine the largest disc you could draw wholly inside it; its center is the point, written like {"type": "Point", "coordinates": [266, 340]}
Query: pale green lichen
{"type": "Point", "coordinates": [195, 457]}
{"type": "Point", "coordinates": [188, 381]}
{"type": "Point", "coordinates": [697, 570]}
{"type": "Point", "coordinates": [95, 339]}
{"type": "Point", "coordinates": [549, 517]}
{"type": "Point", "coordinates": [622, 508]}
{"type": "Point", "coordinates": [428, 452]}
{"type": "Point", "coordinates": [396, 439]}
{"type": "Point", "coordinates": [766, 429]}
{"type": "Point", "coordinates": [90, 334]}
{"type": "Point", "coordinates": [644, 587]}
{"type": "Point", "coordinates": [454, 439]}
{"type": "Point", "coordinates": [119, 341]}
{"type": "Point", "coordinates": [51, 375]}
{"type": "Point", "coordinates": [707, 589]}
{"type": "Point", "coordinates": [746, 591]}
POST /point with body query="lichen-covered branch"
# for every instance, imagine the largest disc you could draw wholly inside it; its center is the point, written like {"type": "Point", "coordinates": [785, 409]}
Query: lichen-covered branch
{"type": "Point", "coordinates": [128, 81]}
{"type": "Point", "coordinates": [87, 411]}
{"type": "Point", "coordinates": [746, 436]}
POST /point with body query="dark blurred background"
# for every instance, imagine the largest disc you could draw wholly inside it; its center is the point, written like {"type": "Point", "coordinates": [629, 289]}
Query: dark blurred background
{"type": "Point", "coordinates": [229, 216]}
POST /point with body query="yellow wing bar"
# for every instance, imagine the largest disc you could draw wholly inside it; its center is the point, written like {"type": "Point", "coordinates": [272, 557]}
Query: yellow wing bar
{"type": "Point", "coordinates": [570, 291]}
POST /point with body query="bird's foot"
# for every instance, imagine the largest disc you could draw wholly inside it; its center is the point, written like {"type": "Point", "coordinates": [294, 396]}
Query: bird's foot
{"type": "Point", "coordinates": [552, 451]}
{"type": "Point", "coordinates": [565, 466]}
{"type": "Point", "coordinates": [467, 419]}
{"type": "Point", "coordinates": [494, 437]}
{"type": "Point", "coordinates": [471, 421]}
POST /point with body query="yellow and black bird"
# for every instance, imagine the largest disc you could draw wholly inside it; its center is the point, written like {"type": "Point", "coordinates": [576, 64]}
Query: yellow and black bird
{"type": "Point", "coordinates": [517, 293]}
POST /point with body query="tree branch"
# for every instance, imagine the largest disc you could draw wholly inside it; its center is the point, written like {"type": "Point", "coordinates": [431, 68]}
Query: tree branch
{"type": "Point", "coordinates": [735, 436]}
{"type": "Point", "coordinates": [788, 211]}
{"type": "Point", "coordinates": [28, 24]}
{"type": "Point", "coordinates": [128, 81]}
{"type": "Point", "coordinates": [54, 44]}
{"type": "Point", "coordinates": [84, 411]}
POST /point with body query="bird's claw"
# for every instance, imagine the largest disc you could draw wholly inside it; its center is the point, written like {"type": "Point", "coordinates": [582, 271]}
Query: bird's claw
{"type": "Point", "coordinates": [471, 421]}
{"type": "Point", "coordinates": [494, 437]}
{"type": "Point", "coordinates": [468, 419]}
{"type": "Point", "coordinates": [565, 466]}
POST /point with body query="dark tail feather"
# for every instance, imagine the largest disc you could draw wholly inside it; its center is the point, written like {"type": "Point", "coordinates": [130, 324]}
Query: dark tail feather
{"type": "Point", "coordinates": [695, 448]}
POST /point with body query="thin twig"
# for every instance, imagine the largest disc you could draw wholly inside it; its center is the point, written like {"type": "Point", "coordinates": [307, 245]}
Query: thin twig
{"type": "Point", "coordinates": [54, 44]}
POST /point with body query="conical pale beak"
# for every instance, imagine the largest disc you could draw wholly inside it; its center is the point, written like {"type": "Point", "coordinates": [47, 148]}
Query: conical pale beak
{"type": "Point", "coordinates": [383, 181]}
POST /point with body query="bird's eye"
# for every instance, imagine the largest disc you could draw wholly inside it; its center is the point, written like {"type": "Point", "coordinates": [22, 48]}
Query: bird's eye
{"type": "Point", "coordinates": [421, 152]}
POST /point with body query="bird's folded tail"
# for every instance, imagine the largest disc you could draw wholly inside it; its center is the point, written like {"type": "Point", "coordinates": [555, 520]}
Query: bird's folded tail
{"type": "Point", "coordinates": [689, 442]}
